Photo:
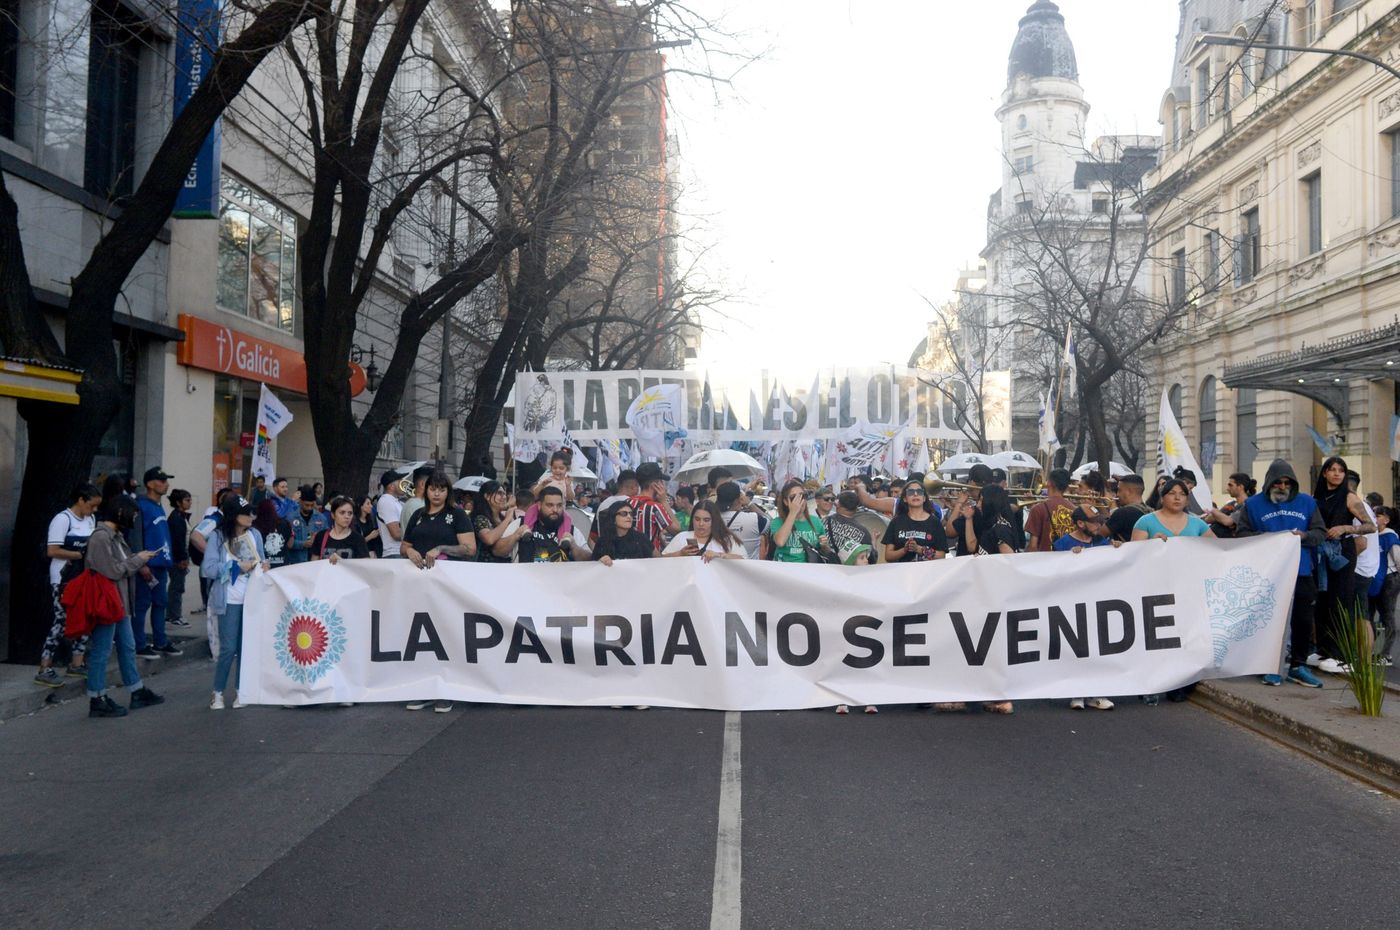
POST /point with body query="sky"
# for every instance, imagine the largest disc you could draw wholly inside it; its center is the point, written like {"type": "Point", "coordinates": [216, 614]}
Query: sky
{"type": "Point", "coordinates": [843, 178]}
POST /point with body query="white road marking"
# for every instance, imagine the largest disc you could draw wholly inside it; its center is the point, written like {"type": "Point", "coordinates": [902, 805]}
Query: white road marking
{"type": "Point", "coordinates": [724, 901]}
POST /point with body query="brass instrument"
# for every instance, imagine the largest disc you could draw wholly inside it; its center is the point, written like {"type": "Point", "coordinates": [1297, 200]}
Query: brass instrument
{"type": "Point", "coordinates": [406, 485]}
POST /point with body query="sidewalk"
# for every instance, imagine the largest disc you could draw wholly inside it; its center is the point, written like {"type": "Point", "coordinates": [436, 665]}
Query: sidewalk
{"type": "Point", "coordinates": [1321, 723]}
{"type": "Point", "coordinates": [19, 694]}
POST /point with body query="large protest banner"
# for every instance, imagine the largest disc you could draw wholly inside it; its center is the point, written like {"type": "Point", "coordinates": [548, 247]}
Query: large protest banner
{"type": "Point", "coordinates": [723, 406]}
{"type": "Point", "coordinates": [734, 635]}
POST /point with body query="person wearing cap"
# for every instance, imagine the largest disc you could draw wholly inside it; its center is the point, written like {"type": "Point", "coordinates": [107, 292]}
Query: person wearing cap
{"type": "Point", "coordinates": [652, 514]}
{"type": "Point", "coordinates": [153, 534]}
{"type": "Point", "coordinates": [234, 551]}
{"type": "Point", "coordinates": [843, 531]}
{"type": "Point", "coordinates": [388, 513]}
{"type": "Point", "coordinates": [307, 522]}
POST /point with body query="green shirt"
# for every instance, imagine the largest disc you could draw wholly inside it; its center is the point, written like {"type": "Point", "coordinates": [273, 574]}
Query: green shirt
{"type": "Point", "coordinates": [808, 530]}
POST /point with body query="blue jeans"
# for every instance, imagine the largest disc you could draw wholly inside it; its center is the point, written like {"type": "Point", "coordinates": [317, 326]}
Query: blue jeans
{"type": "Point", "coordinates": [230, 638]}
{"type": "Point", "coordinates": [100, 649]}
{"type": "Point", "coordinates": [150, 597]}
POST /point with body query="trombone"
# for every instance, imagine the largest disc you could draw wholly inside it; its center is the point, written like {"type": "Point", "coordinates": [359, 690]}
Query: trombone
{"type": "Point", "coordinates": [1020, 496]}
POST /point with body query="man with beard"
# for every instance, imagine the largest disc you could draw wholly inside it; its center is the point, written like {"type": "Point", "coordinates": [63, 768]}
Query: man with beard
{"type": "Point", "coordinates": [1282, 508]}
{"type": "Point", "coordinates": [546, 539]}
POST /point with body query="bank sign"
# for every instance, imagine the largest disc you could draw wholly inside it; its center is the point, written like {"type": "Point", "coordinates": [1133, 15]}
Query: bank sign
{"type": "Point", "coordinates": [228, 351]}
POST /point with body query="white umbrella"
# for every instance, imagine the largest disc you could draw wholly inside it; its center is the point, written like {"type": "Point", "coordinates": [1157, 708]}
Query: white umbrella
{"type": "Point", "coordinates": [1012, 459]}
{"type": "Point", "coordinates": [581, 472]}
{"type": "Point", "coordinates": [1115, 469]}
{"type": "Point", "coordinates": [963, 462]}
{"type": "Point", "coordinates": [473, 483]}
{"type": "Point", "coordinates": [696, 470]}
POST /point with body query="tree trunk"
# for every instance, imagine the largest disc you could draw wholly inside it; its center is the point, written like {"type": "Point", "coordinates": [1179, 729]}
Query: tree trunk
{"type": "Point", "coordinates": [1097, 423]}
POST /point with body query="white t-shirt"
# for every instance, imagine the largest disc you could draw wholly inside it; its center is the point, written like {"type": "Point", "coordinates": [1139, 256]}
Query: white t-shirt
{"type": "Point", "coordinates": [67, 530]}
{"type": "Point", "coordinates": [747, 528]}
{"type": "Point", "coordinates": [243, 549]}
{"type": "Point", "coordinates": [684, 539]}
{"type": "Point", "coordinates": [1368, 561]}
{"type": "Point", "coordinates": [388, 510]}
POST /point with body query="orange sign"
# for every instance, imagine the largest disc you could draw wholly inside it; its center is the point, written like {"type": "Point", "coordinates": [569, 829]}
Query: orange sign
{"type": "Point", "coordinates": [228, 351]}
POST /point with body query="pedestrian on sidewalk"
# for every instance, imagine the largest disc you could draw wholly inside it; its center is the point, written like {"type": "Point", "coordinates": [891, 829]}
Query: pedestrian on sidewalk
{"type": "Point", "coordinates": [69, 532]}
{"type": "Point", "coordinates": [1383, 602]}
{"type": "Point", "coordinates": [109, 555]}
{"type": "Point", "coordinates": [1345, 517]}
{"type": "Point", "coordinates": [153, 532]}
{"type": "Point", "coordinates": [179, 521]}
{"type": "Point", "coordinates": [1282, 508]}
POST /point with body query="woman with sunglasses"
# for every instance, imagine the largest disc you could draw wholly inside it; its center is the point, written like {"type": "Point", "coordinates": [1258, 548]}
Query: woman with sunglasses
{"type": "Point", "coordinates": [915, 534]}
{"type": "Point", "coordinates": [707, 537]}
{"type": "Point", "coordinates": [493, 512]}
{"type": "Point", "coordinates": [796, 532]}
{"type": "Point", "coordinates": [617, 536]}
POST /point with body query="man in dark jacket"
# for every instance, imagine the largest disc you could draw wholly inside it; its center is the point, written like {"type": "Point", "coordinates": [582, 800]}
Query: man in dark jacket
{"type": "Point", "coordinates": [179, 522]}
{"type": "Point", "coordinates": [1280, 507]}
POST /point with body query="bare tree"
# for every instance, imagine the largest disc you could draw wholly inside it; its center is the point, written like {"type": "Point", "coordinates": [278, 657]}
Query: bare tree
{"type": "Point", "coordinates": [63, 440]}
{"type": "Point", "coordinates": [964, 349]}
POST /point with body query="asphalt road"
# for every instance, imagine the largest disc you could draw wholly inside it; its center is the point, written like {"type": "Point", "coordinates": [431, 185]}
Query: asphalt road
{"type": "Point", "coordinates": [580, 818]}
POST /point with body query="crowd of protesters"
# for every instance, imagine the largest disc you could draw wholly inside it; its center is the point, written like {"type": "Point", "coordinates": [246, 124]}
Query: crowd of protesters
{"type": "Point", "coordinates": [1349, 565]}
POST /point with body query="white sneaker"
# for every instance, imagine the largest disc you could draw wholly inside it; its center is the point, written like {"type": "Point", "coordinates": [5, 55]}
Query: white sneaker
{"type": "Point", "coordinates": [442, 707]}
{"type": "Point", "coordinates": [871, 709]}
{"type": "Point", "coordinates": [842, 709]}
{"type": "Point", "coordinates": [217, 703]}
{"type": "Point", "coordinates": [238, 702]}
{"type": "Point", "coordinates": [1076, 704]}
{"type": "Point", "coordinates": [416, 705]}
{"type": "Point", "coordinates": [1332, 667]}
{"type": "Point", "coordinates": [1314, 660]}
{"type": "Point", "coordinates": [1100, 703]}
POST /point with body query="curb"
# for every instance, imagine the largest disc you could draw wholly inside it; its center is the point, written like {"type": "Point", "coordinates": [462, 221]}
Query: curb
{"type": "Point", "coordinates": [37, 697]}
{"type": "Point", "coordinates": [1379, 771]}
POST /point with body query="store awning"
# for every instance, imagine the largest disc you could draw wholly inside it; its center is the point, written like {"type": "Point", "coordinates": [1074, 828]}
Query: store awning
{"type": "Point", "coordinates": [34, 380]}
{"type": "Point", "coordinates": [1322, 372]}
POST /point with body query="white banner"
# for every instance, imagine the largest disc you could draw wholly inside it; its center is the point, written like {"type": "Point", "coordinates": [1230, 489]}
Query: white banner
{"type": "Point", "coordinates": [728, 406]}
{"type": "Point", "coordinates": [738, 635]}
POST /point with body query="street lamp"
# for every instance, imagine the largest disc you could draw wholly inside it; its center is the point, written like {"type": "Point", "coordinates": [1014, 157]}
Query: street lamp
{"type": "Point", "coordinates": [357, 355]}
{"type": "Point", "coordinates": [1241, 42]}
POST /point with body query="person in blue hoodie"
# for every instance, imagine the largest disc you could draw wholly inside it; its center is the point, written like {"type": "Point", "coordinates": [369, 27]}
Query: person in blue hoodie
{"type": "Point", "coordinates": [1282, 508]}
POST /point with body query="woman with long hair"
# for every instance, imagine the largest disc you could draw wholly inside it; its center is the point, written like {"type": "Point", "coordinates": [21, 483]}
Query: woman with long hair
{"type": "Point", "coordinates": [235, 550]}
{"type": "Point", "coordinates": [493, 511]}
{"type": "Point", "coordinates": [915, 534]}
{"type": "Point", "coordinates": [1000, 537]}
{"type": "Point", "coordinates": [618, 537]}
{"type": "Point", "coordinates": [342, 540]}
{"type": "Point", "coordinates": [1170, 518]}
{"type": "Point", "coordinates": [438, 530]}
{"type": "Point", "coordinates": [1344, 514]}
{"type": "Point", "coordinates": [707, 537]}
{"type": "Point", "coordinates": [368, 526]}
{"type": "Point", "coordinates": [795, 533]}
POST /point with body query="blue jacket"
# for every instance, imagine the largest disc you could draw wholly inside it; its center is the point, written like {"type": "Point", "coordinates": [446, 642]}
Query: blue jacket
{"type": "Point", "coordinates": [1297, 512]}
{"type": "Point", "coordinates": [155, 533]}
{"type": "Point", "coordinates": [303, 529]}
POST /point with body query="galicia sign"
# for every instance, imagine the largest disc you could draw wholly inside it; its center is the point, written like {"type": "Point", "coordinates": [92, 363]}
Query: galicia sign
{"type": "Point", "coordinates": [225, 350]}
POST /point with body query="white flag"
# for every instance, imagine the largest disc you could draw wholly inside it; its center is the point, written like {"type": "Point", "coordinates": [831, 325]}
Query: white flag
{"type": "Point", "coordinates": [1071, 364]}
{"type": "Point", "coordinates": [657, 411]}
{"type": "Point", "coordinates": [1176, 452]}
{"type": "Point", "coordinates": [273, 417]}
{"type": "Point", "coordinates": [1049, 442]}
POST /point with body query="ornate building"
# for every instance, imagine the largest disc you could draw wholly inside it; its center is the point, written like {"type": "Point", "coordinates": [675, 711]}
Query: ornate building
{"type": "Point", "coordinates": [1277, 204]}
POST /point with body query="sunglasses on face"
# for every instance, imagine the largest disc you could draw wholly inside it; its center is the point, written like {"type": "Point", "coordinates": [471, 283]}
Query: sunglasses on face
{"type": "Point", "coordinates": [915, 494]}
{"type": "Point", "coordinates": [624, 513]}
{"type": "Point", "coordinates": [828, 499]}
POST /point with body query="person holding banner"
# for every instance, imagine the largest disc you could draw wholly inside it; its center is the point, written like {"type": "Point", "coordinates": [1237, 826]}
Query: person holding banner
{"type": "Point", "coordinates": [707, 537]}
{"type": "Point", "coordinates": [1170, 518]}
{"type": "Point", "coordinates": [235, 549]}
{"type": "Point", "coordinates": [342, 540]}
{"type": "Point", "coordinates": [914, 535]}
{"type": "Point", "coordinates": [796, 535]}
{"type": "Point", "coordinates": [548, 536]}
{"type": "Point", "coordinates": [437, 530]}
{"type": "Point", "coordinates": [617, 537]}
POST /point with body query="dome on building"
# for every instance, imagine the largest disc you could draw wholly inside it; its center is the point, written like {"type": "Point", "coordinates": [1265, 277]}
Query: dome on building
{"type": "Point", "coordinates": [1042, 47]}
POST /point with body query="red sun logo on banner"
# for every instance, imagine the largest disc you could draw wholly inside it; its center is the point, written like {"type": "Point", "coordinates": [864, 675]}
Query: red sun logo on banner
{"type": "Point", "coordinates": [307, 639]}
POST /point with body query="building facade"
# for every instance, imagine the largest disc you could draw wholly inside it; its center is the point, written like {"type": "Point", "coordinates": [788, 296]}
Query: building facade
{"type": "Point", "coordinates": [1276, 208]}
{"type": "Point", "coordinates": [1057, 196]}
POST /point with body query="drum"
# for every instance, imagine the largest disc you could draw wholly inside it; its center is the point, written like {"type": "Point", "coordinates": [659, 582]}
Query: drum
{"type": "Point", "coordinates": [875, 524]}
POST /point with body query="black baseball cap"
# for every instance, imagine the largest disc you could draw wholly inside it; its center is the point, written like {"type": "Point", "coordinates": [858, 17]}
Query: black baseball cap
{"type": "Point", "coordinates": [648, 472]}
{"type": "Point", "coordinates": [156, 474]}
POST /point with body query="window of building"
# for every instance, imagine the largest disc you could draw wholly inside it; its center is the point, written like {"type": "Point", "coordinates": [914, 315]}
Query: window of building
{"type": "Point", "coordinates": [1309, 23]}
{"type": "Point", "coordinates": [1202, 95]}
{"type": "Point", "coordinates": [1207, 420]}
{"type": "Point", "coordinates": [1023, 206]}
{"type": "Point", "coordinates": [1393, 137]}
{"type": "Point", "coordinates": [9, 65]}
{"type": "Point", "coordinates": [1174, 401]}
{"type": "Point", "coordinates": [114, 69]}
{"type": "Point", "coordinates": [1178, 294]}
{"type": "Point", "coordinates": [1312, 194]}
{"type": "Point", "coordinates": [257, 257]}
{"type": "Point", "coordinates": [1247, 74]}
{"type": "Point", "coordinates": [1247, 250]}
{"type": "Point", "coordinates": [1212, 269]}
{"type": "Point", "coordinates": [1023, 161]}
{"type": "Point", "coordinates": [1100, 203]}
{"type": "Point", "coordinates": [1021, 122]}
{"type": "Point", "coordinates": [1246, 428]}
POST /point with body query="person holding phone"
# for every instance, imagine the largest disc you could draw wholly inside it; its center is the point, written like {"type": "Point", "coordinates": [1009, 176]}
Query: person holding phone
{"type": "Point", "coordinates": [915, 534]}
{"type": "Point", "coordinates": [499, 524]}
{"type": "Point", "coordinates": [796, 532]}
{"type": "Point", "coordinates": [707, 537]}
